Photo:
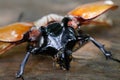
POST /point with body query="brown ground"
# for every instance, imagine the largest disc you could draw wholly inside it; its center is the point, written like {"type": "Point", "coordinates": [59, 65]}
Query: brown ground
{"type": "Point", "coordinates": [88, 63]}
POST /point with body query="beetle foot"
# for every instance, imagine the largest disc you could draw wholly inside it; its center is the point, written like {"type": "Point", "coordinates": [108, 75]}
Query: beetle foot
{"type": "Point", "coordinates": [108, 55]}
{"type": "Point", "coordinates": [19, 75]}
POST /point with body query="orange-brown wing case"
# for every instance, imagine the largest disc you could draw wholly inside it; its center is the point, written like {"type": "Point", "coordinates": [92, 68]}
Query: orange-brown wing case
{"type": "Point", "coordinates": [92, 10]}
{"type": "Point", "coordinates": [14, 32]}
{"type": "Point", "coordinates": [5, 46]}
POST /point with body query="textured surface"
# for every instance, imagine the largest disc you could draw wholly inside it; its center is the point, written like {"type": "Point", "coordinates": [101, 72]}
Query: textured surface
{"type": "Point", "coordinates": [89, 63]}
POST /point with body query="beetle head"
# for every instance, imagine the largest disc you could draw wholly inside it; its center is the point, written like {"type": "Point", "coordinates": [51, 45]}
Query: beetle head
{"type": "Point", "coordinates": [72, 21]}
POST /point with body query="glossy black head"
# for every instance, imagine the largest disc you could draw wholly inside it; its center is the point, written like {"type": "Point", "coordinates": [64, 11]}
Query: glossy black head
{"type": "Point", "coordinates": [65, 21]}
{"type": "Point", "coordinates": [64, 59]}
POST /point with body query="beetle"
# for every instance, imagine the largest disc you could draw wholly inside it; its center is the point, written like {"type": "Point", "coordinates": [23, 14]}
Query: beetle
{"type": "Point", "coordinates": [56, 39]}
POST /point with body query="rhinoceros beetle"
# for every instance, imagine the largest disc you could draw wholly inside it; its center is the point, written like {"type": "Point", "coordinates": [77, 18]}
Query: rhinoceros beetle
{"type": "Point", "coordinates": [56, 39]}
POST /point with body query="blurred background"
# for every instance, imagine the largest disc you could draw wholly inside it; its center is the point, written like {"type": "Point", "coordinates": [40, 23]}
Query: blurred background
{"type": "Point", "coordinates": [88, 64]}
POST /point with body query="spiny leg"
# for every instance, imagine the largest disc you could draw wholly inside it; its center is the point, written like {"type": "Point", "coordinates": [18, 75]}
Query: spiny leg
{"type": "Point", "coordinates": [22, 66]}
{"type": "Point", "coordinates": [107, 54]}
{"type": "Point", "coordinates": [101, 47]}
{"type": "Point", "coordinates": [30, 50]}
{"type": "Point", "coordinates": [85, 38]}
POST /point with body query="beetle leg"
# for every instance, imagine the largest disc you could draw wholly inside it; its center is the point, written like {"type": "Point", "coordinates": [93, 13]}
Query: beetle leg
{"type": "Point", "coordinates": [22, 66]}
{"type": "Point", "coordinates": [101, 47]}
{"type": "Point", "coordinates": [85, 38]}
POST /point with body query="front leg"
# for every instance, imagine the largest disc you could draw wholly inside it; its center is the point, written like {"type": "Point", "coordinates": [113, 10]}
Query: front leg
{"type": "Point", "coordinates": [101, 47]}
{"type": "Point", "coordinates": [85, 38]}
{"type": "Point", "coordinates": [22, 66]}
{"type": "Point", "coordinates": [107, 54]}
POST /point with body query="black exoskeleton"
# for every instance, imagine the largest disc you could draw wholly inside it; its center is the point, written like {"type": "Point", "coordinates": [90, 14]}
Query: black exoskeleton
{"type": "Point", "coordinates": [58, 41]}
